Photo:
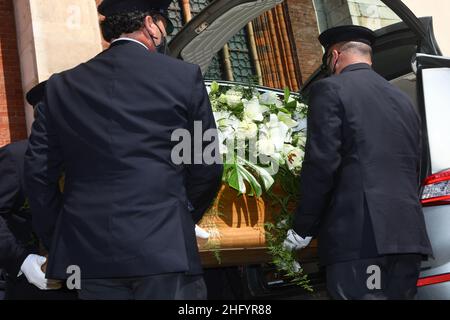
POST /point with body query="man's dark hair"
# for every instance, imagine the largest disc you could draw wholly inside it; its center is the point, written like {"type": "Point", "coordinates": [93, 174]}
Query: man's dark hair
{"type": "Point", "coordinates": [114, 26]}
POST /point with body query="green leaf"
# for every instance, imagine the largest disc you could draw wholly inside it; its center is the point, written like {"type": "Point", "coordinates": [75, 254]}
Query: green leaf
{"type": "Point", "coordinates": [267, 179]}
{"type": "Point", "coordinates": [285, 110]}
{"type": "Point", "coordinates": [214, 87]}
{"type": "Point", "coordinates": [254, 184]}
{"type": "Point", "coordinates": [235, 179]}
{"type": "Point", "coordinates": [291, 105]}
{"type": "Point", "coordinates": [287, 95]}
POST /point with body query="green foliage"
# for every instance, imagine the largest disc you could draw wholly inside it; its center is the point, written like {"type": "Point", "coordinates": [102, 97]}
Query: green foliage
{"type": "Point", "coordinates": [285, 260]}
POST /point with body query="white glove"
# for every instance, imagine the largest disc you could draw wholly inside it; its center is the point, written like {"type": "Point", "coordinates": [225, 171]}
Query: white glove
{"type": "Point", "coordinates": [201, 233]}
{"type": "Point", "coordinates": [295, 242]}
{"type": "Point", "coordinates": [31, 268]}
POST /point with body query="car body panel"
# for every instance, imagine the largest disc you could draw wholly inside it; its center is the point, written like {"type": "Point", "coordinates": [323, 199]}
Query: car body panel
{"type": "Point", "coordinates": [435, 292]}
{"type": "Point", "coordinates": [433, 74]}
{"type": "Point", "coordinates": [436, 95]}
{"type": "Point", "coordinates": [206, 34]}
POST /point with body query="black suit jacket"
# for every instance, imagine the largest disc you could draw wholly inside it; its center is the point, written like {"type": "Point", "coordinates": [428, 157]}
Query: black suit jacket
{"type": "Point", "coordinates": [360, 178]}
{"type": "Point", "coordinates": [126, 209]}
{"type": "Point", "coordinates": [15, 223]}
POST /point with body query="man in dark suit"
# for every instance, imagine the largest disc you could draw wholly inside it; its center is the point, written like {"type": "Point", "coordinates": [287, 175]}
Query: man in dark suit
{"type": "Point", "coordinates": [360, 178]}
{"type": "Point", "coordinates": [128, 213]}
{"type": "Point", "coordinates": [19, 250]}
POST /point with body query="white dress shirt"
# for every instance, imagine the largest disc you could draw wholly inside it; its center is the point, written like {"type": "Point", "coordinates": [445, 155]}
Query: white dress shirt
{"type": "Point", "coordinates": [129, 39]}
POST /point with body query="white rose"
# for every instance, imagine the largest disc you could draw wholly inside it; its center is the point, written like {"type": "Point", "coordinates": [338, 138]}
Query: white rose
{"type": "Point", "coordinates": [246, 129]}
{"type": "Point", "coordinates": [233, 97]}
{"type": "Point", "coordinates": [270, 98]}
{"type": "Point", "coordinates": [265, 146]}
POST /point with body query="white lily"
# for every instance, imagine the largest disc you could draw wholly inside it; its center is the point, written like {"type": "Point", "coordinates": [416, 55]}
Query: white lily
{"type": "Point", "coordinates": [253, 110]}
{"type": "Point", "coordinates": [222, 142]}
{"type": "Point", "coordinates": [266, 146]}
{"type": "Point", "coordinates": [287, 119]}
{"type": "Point", "coordinates": [294, 159]}
{"type": "Point", "coordinates": [226, 122]}
{"type": "Point", "coordinates": [275, 131]}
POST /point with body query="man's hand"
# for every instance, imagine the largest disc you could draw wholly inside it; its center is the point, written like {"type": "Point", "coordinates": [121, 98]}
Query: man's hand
{"type": "Point", "coordinates": [295, 242]}
{"type": "Point", "coordinates": [201, 233]}
{"type": "Point", "coordinates": [31, 268]}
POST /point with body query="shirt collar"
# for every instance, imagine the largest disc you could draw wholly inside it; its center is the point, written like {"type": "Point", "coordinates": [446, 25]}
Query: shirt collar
{"type": "Point", "coordinates": [129, 39]}
{"type": "Point", "coordinates": [356, 66]}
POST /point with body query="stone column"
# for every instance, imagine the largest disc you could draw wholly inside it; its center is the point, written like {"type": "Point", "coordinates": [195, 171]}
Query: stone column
{"type": "Point", "coordinates": [54, 36]}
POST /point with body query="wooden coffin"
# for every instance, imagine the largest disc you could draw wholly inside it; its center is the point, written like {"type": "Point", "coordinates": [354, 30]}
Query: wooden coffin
{"type": "Point", "coordinates": [237, 235]}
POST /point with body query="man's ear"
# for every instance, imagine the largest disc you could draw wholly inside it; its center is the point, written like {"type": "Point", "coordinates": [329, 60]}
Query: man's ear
{"type": "Point", "coordinates": [148, 23]}
{"type": "Point", "coordinates": [335, 55]}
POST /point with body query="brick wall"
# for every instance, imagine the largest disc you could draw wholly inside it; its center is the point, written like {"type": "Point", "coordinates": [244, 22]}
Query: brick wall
{"type": "Point", "coordinates": [12, 114]}
{"type": "Point", "coordinates": [305, 31]}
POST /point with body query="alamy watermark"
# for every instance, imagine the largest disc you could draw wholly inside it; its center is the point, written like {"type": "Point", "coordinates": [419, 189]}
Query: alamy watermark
{"type": "Point", "coordinates": [374, 280]}
{"type": "Point", "coordinates": [204, 147]}
{"type": "Point", "coordinates": [73, 282]}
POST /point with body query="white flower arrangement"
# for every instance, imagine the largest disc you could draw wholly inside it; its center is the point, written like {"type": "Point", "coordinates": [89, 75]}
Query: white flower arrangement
{"type": "Point", "coordinates": [259, 132]}
{"type": "Point", "coordinates": [262, 141]}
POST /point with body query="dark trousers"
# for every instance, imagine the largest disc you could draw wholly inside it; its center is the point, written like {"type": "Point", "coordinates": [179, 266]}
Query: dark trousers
{"type": "Point", "coordinates": [174, 286]}
{"type": "Point", "coordinates": [224, 284]}
{"type": "Point", "coordinates": [20, 289]}
{"type": "Point", "coordinates": [392, 277]}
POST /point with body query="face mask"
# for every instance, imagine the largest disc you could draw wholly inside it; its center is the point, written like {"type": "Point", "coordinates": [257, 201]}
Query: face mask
{"type": "Point", "coordinates": [163, 46]}
{"type": "Point", "coordinates": [329, 70]}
